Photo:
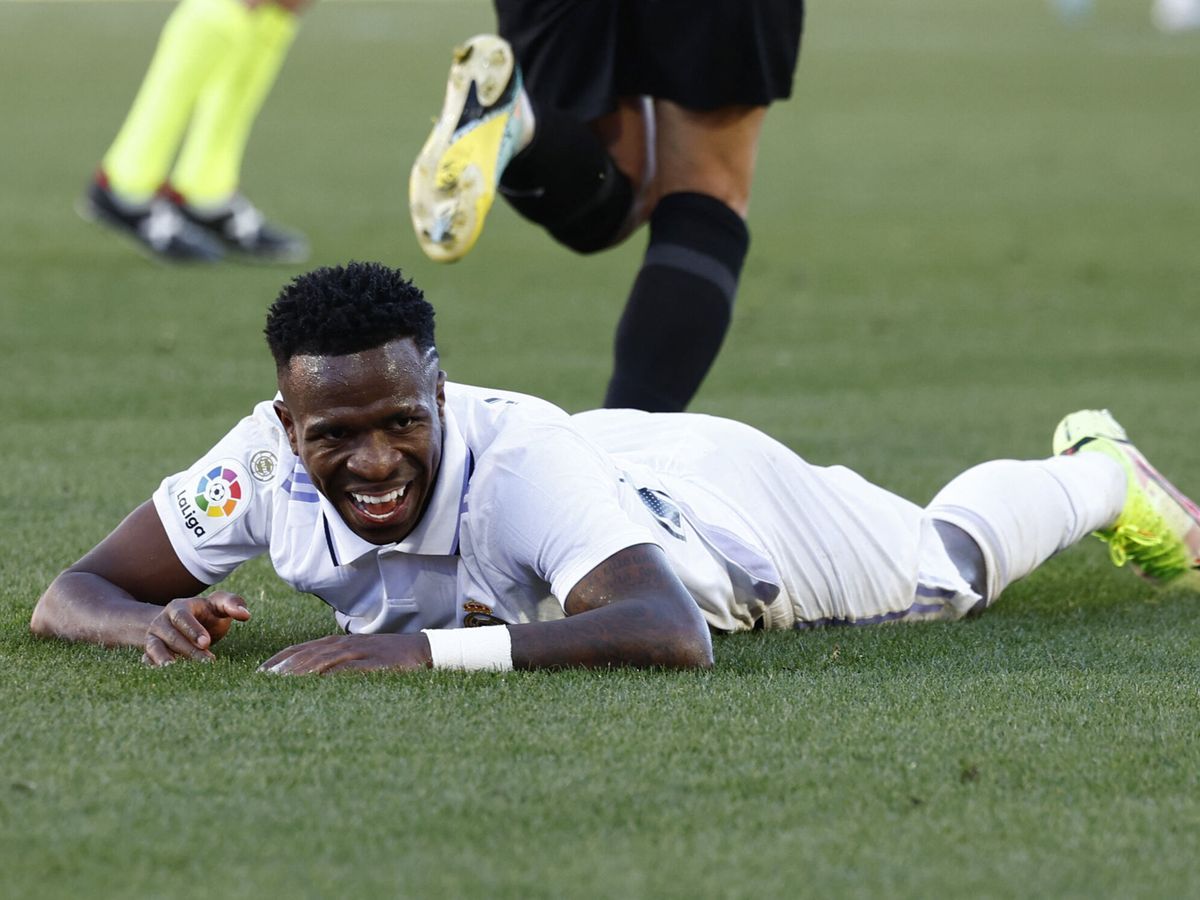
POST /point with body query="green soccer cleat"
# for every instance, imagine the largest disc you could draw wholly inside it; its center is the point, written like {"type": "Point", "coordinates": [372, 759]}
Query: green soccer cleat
{"type": "Point", "coordinates": [1158, 531]}
{"type": "Point", "coordinates": [453, 181]}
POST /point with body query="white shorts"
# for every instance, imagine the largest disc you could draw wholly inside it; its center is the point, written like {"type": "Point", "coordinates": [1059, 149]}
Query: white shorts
{"type": "Point", "coordinates": [845, 551]}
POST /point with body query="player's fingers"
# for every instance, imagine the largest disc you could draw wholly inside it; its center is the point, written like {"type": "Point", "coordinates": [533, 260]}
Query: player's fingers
{"type": "Point", "coordinates": [303, 662]}
{"type": "Point", "coordinates": [178, 644]}
{"type": "Point", "coordinates": [314, 657]}
{"type": "Point", "coordinates": [231, 605]}
{"type": "Point", "coordinates": [290, 665]}
{"type": "Point", "coordinates": [157, 653]}
{"type": "Point", "coordinates": [271, 664]}
{"type": "Point", "coordinates": [183, 620]}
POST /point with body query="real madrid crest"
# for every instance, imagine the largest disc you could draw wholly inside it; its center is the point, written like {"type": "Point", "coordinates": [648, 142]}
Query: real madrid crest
{"type": "Point", "coordinates": [263, 465]}
{"type": "Point", "coordinates": [479, 614]}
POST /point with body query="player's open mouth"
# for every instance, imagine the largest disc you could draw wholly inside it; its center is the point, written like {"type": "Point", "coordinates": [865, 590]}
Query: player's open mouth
{"type": "Point", "coordinates": [381, 508]}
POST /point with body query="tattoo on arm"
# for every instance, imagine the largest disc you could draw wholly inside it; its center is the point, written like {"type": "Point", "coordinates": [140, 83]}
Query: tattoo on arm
{"type": "Point", "coordinates": [630, 610]}
{"type": "Point", "coordinates": [632, 572]}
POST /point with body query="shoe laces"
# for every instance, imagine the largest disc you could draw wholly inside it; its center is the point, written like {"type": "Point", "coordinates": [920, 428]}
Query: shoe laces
{"type": "Point", "coordinates": [1128, 541]}
{"type": "Point", "coordinates": [1143, 538]}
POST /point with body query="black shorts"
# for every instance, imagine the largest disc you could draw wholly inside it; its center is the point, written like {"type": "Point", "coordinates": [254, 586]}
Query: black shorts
{"type": "Point", "coordinates": [581, 55]}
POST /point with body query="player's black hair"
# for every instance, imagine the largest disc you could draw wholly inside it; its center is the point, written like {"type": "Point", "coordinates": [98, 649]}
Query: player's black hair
{"type": "Point", "coordinates": [337, 310]}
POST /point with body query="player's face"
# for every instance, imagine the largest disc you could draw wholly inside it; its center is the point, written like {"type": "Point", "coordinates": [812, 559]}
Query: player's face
{"type": "Point", "coordinates": [368, 428]}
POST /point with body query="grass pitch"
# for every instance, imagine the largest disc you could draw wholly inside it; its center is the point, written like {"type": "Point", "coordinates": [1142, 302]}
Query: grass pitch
{"type": "Point", "coordinates": [969, 220]}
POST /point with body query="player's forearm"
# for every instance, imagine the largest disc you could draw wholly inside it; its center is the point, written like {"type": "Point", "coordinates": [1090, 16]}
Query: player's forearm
{"type": "Point", "coordinates": [661, 631]}
{"type": "Point", "coordinates": [80, 606]}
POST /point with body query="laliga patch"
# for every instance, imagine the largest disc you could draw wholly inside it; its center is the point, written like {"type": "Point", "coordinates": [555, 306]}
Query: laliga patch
{"type": "Point", "coordinates": [218, 495]}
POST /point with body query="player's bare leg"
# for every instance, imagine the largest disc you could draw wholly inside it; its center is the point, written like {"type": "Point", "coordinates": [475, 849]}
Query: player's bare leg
{"type": "Point", "coordinates": [708, 152]}
{"type": "Point", "coordinates": [681, 302]}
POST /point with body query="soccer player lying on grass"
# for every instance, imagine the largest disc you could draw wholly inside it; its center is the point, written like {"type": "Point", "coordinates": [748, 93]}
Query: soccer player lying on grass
{"type": "Point", "coordinates": [419, 508]}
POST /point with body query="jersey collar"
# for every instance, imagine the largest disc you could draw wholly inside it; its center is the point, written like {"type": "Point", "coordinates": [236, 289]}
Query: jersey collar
{"type": "Point", "coordinates": [437, 532]}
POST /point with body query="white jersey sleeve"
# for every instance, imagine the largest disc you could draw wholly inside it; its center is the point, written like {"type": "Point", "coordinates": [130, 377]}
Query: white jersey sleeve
{"type": "Point", "coordinates": [217, 513]}
{"type": "Point", "coordinates": [548, 507]}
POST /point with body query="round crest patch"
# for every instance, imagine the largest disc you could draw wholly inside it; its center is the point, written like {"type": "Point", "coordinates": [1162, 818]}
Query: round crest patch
{"type": "Point", "coordinates": [263, 464]}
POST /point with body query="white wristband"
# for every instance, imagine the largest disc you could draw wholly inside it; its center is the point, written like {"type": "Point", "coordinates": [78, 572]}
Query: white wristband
{"type": "Point", "coordinates": [471, 649]}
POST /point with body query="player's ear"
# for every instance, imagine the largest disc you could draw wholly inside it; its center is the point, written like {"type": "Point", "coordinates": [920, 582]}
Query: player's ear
{"type": "Point", "coordinates": [288, 423]}
{"type": "Point", "coordinates": [441, 393]}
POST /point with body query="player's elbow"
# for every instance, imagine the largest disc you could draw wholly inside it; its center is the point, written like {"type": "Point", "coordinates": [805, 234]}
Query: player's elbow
{"type": "Point", "coordinates": [698, 652]}
{"type": "Point", "coordinates": [690, 642]}
{"type": "Point", "coordinates": [51, 610]}
{"type": "Point", "coordinates": [663, 633]}
{"type": "Point", "coordinates": [41, 623]}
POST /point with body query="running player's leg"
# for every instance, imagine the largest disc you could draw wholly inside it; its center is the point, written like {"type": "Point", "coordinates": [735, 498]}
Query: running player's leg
{"type": "Point", "coordinates": [713, 77]}
{"type": "Point", "coordinates": [197, 37]}
{"type": "Point", "coordinates": [681, 302]}
{"type": "Point", "coordinates": [582, 175]}
{"type": "Point", "coordinates": [567, 144]}
{"type": "Point", "coordinates": [204, 181]}
{"type": "Point", "coordinates": [584, 182]}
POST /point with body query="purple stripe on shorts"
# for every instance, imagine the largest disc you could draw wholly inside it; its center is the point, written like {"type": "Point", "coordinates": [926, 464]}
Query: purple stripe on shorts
{"type": "Point", "coordinates": [924, 590]}
{"type": "Point", "coordinates": [915, 609]}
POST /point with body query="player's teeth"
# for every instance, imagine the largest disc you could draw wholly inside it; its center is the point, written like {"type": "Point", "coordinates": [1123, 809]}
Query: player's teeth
{"type": "Point", "coordinates": [372, 499]}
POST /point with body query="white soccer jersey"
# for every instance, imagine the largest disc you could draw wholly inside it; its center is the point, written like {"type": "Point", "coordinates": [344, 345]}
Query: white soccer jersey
{"type": "Point", "coordinates": [528, 500]}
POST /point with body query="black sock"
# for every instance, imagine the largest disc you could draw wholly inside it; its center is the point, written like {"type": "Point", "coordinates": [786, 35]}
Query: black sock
{"type": "Point", "coordinates": [566, 182]}
{"type": "Point", "coordinates": [680, 305]}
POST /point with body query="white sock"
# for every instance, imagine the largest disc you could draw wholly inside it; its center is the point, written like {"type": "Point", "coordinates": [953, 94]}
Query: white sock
{"type": "Point", "coordinates": [1022, 513]}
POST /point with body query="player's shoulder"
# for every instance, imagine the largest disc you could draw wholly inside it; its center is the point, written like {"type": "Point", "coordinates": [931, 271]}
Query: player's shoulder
{"type": "Point", "coordinates": [259, 444]}
{"type": "Point", "coordinates": [491, 420]}
{"type": "Point", "coordinates": [500, 408]}
{"type": "Point", "coordinates": [254, 455]}
{"type": "Point", "coordinates": [231, 487]}
{"type": "Point", "coordinates": [545, 456]}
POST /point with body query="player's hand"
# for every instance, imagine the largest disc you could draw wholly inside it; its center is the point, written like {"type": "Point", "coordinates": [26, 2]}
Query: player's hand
{"type": "Point", "coordinates": [186, 628]}
{"type": "Point", "coordinates": [352, 653]}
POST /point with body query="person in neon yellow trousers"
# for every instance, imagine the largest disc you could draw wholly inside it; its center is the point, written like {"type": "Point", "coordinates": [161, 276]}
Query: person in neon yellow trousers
{"type": "Point", "coordinates": [170, 179]}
